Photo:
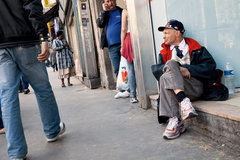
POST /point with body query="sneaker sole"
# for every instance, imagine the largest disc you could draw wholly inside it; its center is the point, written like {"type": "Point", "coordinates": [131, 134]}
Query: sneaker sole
{"type": "Point", "coordinates": [60, 133]}
{"type": "Point", "coordinates": [121, 97]}
{"type": "Point", "coordinates": [182, 130]}
{"type": "Point", "coordinates": [171, 138]}
{"type": "Point", "coordinates": [191, 115]}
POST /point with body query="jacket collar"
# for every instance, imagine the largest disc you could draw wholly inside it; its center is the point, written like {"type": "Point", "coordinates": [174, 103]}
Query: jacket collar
{"type": "Point", "coordinates": [193, 45]}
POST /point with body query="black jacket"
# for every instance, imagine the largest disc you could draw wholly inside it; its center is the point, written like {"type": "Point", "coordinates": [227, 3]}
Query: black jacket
{"type": "Point", "coordinates": [21, 22]}
{"type": "Point", "coordinates": [202, 65]}
{"type": "Point", "coordinates": [102, 22]}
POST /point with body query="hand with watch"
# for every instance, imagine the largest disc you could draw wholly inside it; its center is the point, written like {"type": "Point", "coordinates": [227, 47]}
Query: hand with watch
{"type": "Point", "coordinates": [44, 49]}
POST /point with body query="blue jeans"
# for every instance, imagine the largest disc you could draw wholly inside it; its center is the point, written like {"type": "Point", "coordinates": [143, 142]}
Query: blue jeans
{"type": "Point", "coordinates": [13, 62]}
{"type": "Point", "coordinates": [132, 79]}
{"type": "Point", "coordinates": [23, 83]}
{"type": "Point", "coordinates": [115, 57]}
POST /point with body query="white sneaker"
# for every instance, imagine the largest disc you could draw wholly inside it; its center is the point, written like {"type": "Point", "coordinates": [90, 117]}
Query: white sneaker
{"type": "Point", "coordinates": [125, 94]}
{"type": "Point", "coordinates": [133, 100]}
{"type": "Point", "coordinates": [187, 110]}
{"type": "Point", "coordinates": [62, 130]}
{"type": "Point", "coordinates": [173, 129]}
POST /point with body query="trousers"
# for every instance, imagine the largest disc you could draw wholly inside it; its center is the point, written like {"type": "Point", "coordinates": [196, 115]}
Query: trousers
{"type": "Point", "coordinates": [170, 80]}
{"type": "Point", "coordinates": [14, 62]}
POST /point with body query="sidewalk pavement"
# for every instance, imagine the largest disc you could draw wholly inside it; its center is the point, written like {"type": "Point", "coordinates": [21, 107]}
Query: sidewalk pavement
{"type": "Point", "coordinates": [100, 127]}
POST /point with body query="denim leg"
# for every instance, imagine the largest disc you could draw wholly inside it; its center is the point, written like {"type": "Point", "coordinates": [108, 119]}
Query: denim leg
{"type": "Point", "coordinates": [132, 79]}
{"type": "Point", "coordinates": [36, 74]}
{"type": "Point", "coordinates": [115, 57]}
{"type": "Point", "coordinates": [9, 84]}
{"type": "Point", "coordinates": [25, 83]}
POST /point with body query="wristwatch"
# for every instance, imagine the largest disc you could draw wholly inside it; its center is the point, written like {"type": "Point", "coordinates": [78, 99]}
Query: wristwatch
{"type": "Point", "coordinates": [43, 38]}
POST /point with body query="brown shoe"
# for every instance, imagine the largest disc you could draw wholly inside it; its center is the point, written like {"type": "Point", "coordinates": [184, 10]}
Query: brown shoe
{"type": "Point", "coordinates": [2, 131]}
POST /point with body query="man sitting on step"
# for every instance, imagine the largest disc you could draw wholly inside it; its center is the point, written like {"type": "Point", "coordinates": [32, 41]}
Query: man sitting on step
{"type": "Point", "coordinates": [183, 67]}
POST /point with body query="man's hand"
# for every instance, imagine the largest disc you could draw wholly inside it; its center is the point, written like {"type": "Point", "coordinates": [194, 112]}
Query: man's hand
{"type": "Point", "coordinates": [105, 7]}
{"type": "Point", "coordinates": [185, 72]}
{"type": "Point", "coordinates": [45, 52]}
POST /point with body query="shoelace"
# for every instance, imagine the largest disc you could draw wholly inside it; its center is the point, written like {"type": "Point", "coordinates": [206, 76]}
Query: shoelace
{"type": "Point", "coordinates": [185, 104]}
{"type": "Point", "coordinates": [172, 122]}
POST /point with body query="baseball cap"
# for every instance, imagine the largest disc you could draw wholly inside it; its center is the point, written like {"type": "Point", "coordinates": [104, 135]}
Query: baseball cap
{"type": "Point", "coordinates": [174, 24]}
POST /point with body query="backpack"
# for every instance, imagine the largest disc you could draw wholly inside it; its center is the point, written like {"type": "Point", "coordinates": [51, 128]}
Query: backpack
{"type": "Point", "coordinates": [215, 90]}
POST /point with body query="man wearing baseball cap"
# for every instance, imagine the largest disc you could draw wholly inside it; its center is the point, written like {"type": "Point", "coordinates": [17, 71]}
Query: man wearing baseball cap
{"type": "Point", "coordinates": [183, 67]}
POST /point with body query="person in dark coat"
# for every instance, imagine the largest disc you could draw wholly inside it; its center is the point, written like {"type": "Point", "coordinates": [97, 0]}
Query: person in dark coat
{"type": "Point", "coordinates": [110, 20]}
{"type": "Point", "coordinates": [23, 49]}
{"type": "Point", "coordinates": [183, 67]}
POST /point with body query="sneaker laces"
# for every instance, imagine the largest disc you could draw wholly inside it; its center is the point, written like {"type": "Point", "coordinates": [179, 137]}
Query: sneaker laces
{"type": "Point", "coordinates": [172, 122]}
{"type": "Point", "coordinates": [186, 104]}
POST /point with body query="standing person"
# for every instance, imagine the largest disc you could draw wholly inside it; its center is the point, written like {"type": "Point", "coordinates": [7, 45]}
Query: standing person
{"type": "Point", "coordinates": [2, 130]}
{"type": "Point", "coordinates": [110, 20]}
{"type": "Point", "coordinates": [53, 58]}
{"type": "Point", "coordinates": [65, 58]}
{"type": "Point", "coordinates": [127, 53]}
{"type": "Point", "coordinates": [20, 52]}
{"type": "Point", "coordinates": [23, 85]}
{"type": "Point", "coordinates": [183, 67]}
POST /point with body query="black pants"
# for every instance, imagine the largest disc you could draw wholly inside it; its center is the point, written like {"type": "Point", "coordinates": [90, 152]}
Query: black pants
{"type": "Point", "coordinates": [1, 123]}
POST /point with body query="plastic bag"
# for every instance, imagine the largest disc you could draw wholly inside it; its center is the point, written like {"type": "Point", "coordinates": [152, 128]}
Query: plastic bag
{"type": "Point", "coordinates": [122, 80]}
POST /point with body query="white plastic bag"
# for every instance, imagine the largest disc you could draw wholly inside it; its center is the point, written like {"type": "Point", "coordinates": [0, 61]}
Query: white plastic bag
{"type": "Point", "coordinates": [122, 80]}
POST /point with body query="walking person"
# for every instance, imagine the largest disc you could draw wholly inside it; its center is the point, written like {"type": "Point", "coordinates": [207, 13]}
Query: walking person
{"type": "Point", "coordinates": [183, 67]}
{"type": "Point", "coordinates": [64, 58]}
{"type": "Point", "coordinates": [20, 52]}
{"type": "Point", "coordinates": [110, 19]}
{"type": "Point", "coordinates": [127, 53]}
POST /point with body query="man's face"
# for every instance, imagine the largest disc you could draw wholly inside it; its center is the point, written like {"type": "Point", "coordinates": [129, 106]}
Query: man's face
{"type": "Point", "coordinates": [169, 36]}
{"type": "Point", "coordinates": [111, 4]}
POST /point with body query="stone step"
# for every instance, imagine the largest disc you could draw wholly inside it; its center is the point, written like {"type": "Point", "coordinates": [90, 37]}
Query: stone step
{"type": "Point", "coordinates": [218, 120]}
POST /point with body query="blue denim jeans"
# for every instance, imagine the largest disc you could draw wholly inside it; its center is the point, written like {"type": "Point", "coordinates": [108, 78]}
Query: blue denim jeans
{"type": "Point", "coordinates": [23, 83]}
{"type": "Point", "coordinates": [13, 62]}
{"type": "Point", "coordinates": [115, 57]}
{"type": "Point", "coordinates": [131, 79]}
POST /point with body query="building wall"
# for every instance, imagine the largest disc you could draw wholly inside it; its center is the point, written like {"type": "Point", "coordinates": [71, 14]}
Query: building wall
{"type": "Point", "coordinates": [143, 46]}
{"type": "Point", "coordinates": [79, 35]}
{"type": "Point", "coordinates": [106, 73]}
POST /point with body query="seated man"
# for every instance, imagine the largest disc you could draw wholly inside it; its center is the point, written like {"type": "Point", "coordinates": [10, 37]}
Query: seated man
{"type": "Point", "coordinates": [183, 67]}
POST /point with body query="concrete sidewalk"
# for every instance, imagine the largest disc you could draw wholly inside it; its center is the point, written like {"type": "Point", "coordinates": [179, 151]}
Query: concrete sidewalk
{"type": "Point", "coordinates": [102, 128]}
